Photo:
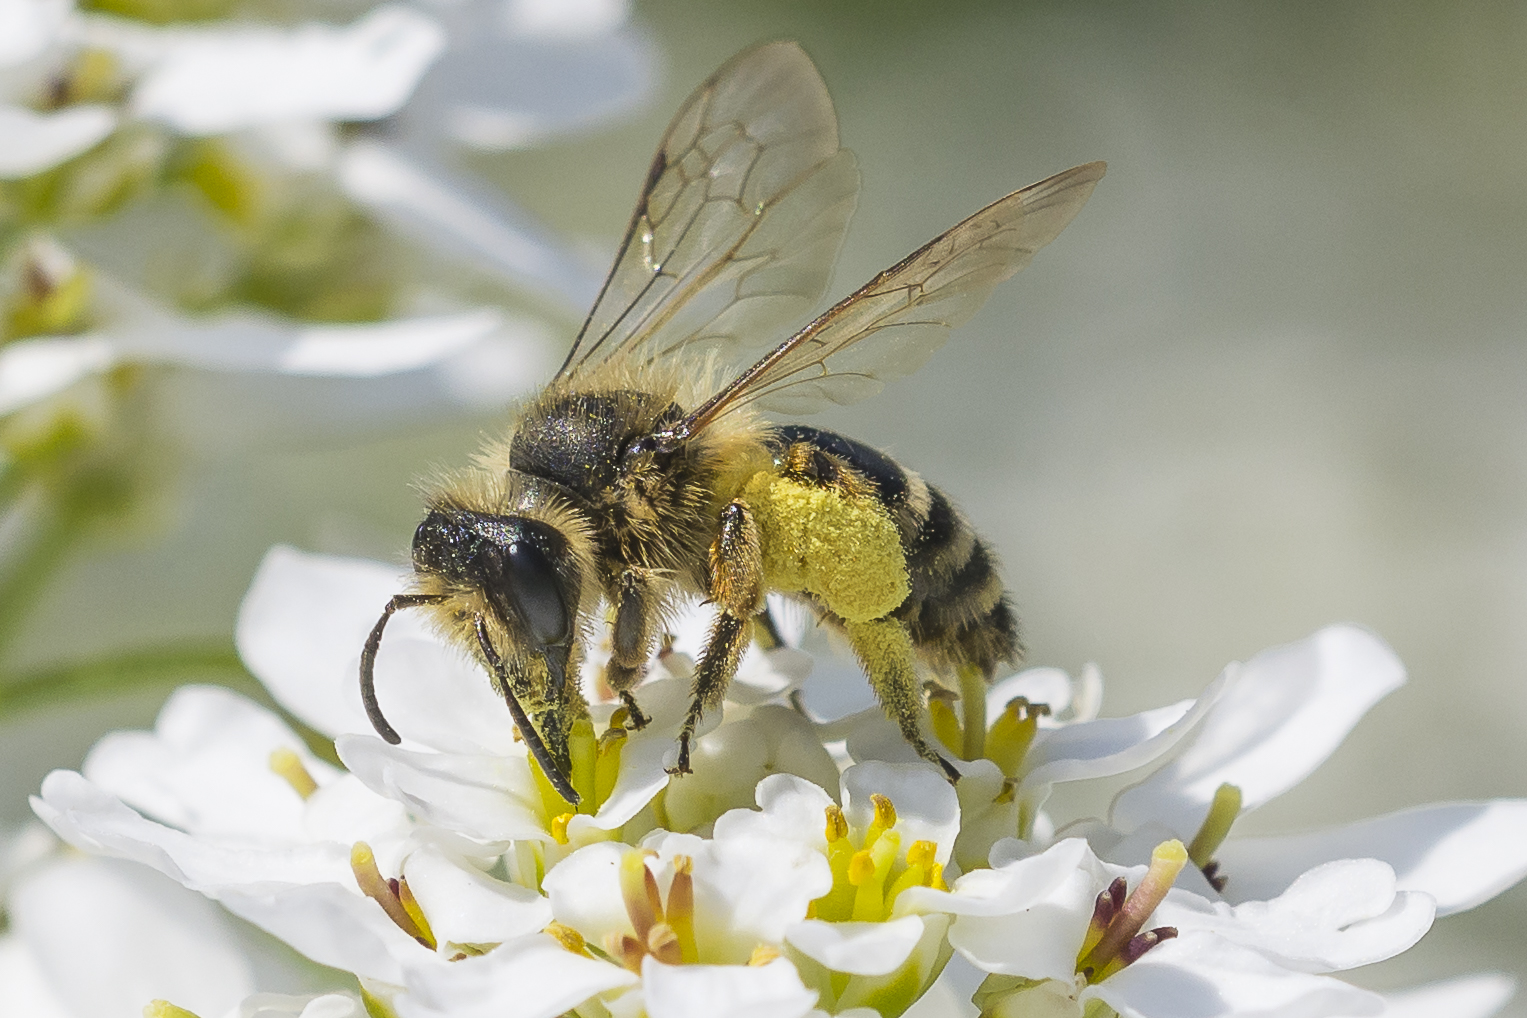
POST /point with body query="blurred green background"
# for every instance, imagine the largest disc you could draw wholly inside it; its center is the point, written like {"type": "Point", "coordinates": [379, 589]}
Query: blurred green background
{"type": "Point", "coordinates": [1272, 377]}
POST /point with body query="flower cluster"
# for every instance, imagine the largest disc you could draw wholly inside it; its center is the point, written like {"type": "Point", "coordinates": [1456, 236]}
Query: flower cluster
{"type": "Point", "coordinates": [807, 868]}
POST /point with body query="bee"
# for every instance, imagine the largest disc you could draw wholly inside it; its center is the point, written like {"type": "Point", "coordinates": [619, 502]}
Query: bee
{"type": "Point", "coordinates": [642, 475]}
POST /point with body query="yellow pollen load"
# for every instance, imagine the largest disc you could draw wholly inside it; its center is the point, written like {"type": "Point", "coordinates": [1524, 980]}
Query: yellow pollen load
{"type": "Point", "coordinates": [287, 765]}
{"type": "Point", "coordinates": [867, 879]}
{"type": "Point", "coordinates": [845, 549]}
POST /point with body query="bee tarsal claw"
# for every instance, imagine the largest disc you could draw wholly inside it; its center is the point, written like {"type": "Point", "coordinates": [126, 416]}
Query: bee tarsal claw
{"type": "Point", "coordinates": [639, 720]}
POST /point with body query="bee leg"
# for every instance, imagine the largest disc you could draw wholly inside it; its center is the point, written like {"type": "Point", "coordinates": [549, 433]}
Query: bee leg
{"type": "Point", "coordinates": [549, 767]}
{"type": "Point", "coordinates": [636, 601]}
{"type": "Point", "coordinates": [736, 586]}
{"type": "Point", "coordinates": [884, 647]}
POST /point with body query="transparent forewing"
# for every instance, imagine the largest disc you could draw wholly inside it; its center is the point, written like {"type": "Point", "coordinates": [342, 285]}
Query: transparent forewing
{"type": "Point", "coordinates": [738, 224]}
{"type": "Point", "coordinates": [890, 326]}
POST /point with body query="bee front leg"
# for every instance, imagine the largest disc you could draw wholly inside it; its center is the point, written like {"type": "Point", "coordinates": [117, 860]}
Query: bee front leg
{"type": "Point", "coordinates": [636, 603]}
{"type": "Point", "coordinates": [736, 587]}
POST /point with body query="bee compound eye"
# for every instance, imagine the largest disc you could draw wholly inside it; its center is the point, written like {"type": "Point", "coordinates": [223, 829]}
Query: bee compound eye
{"type": "Point", "coordinates": [537, 594]}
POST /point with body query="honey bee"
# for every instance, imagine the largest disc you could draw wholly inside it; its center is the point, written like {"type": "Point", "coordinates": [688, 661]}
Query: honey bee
{"type": "Point", "coordinates": [641, 475]}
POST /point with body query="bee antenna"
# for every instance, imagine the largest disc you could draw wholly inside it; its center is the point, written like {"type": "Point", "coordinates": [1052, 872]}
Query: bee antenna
{"type": "Point", "coordinates": [368, 661]}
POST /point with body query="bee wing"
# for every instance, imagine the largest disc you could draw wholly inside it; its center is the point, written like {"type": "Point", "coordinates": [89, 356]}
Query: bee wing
{"type": "Point", "coordinates": [890, 325]}
{"type": "Point", "coordinates": [739, 221]}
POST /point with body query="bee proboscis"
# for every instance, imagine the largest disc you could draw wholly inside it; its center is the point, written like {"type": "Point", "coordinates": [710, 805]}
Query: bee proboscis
{"type": "Point", "coordinates": [634, 480]}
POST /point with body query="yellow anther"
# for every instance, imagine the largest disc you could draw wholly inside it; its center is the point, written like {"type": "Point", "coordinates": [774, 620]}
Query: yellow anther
{"type": "Point", "coordinates": [368, 877]}
{"type": "Point", "coordinates": [885, 819]}
{"type": "Point", "coordinates": [861, 868]}
{"type": "Point", "coordinates": [936, 877]}
{"type": "Point", "coordinates": [559, 827]}
{"type": "Point", "coordinates": [287, 765]}
{"type": "Point", "coordinates": [411, 906]}
{"type": "Point", "coordinates": [837, 824]}
{"type": "Point", "coordinates": [922, 853]}
{"type": "Point", "coordinates": [680, 912]}
{"type": "Point", "coordinates": [164, 1009]}
{"type": "Point", "coordinates": [1013, 733]}
{"type": "Point", "coordinates": [762, 955]}
{"type": "Point", "coordinates": [869, 889]}
{"type": "Point", "coordinates": [582, 751]}
{"type": "Point", "coordinates": [945, 724]}
{"type": "Point", "coordinates": [569, 938]}
{"type": "Point", "coordinates": [618, 718]}
{"type": "Point", "coordinates": [1222, 813]}
{"type": "Point", "coordinates": [638, 887]}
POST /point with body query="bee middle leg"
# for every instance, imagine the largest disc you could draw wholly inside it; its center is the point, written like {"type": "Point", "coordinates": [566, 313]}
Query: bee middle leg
{"type": "Point", "coordinates": [736, 587]}
{"type": "Point", "coordinates": [884, 647]}
{"type": "Point", "coordinates": [636, 598]}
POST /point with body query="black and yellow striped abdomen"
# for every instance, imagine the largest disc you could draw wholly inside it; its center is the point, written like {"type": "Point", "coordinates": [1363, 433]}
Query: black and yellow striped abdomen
{"type": "Point", "coordinates": [957, 611]}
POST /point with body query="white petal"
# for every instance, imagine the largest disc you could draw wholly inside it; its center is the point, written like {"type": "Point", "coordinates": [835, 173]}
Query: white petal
{"type": "Point", "coordinates": [1109, 746]}
{"type": "Point", "coordinates": [866, 949]}
{"type": "Point", "coordinates": [584, 890]}
{"type": "Point", "coordinates": [927, 807]}
{"type": "Point", "coordinates": [466, 906]}
{"type": "Point", "coordinates": [32, 142]}
{"type": "Point", "coordinates": [280, 1005]}
{"type": "Point", "coordinates": [219, 81]}
{"type": "Point", "coordinates": [1476, 996]}
{"type": "Point", "coordinates": [247, 342]}
{"type": "Point", "coordinates": [1460, 853]}
{"type": "Point", "coordinates": [28, 27]}
{"type": "Point", "coordinates": [1337, 916]}
{"type": "Point", "coordinates": [489, 798]}
{"type": "Point", "coordinates": [565, 19]}
{"type": "Point", "coordinates": [725, 991]}
{"type": "Point", "coordinates": [301, 628]}
{"type": "Point", "coordinates": [112, 936]}
{"type": "Point", "coordinates": [206, 768]}
{"type": "Point", "coordinates": [24, 987]}
{"type": "Point", "coordinates": [647, 754]}
{"type": "Point", "coordinates": [1284, 712]}
{"type": "Point", "coordinates": [534, 977]}
{"type": "Point", "coordinates": [789, 807]}
{"type": "Point", "coordinates": [34, 369]}
{"type": "Point", "coordinates": [1201, 975]}
{"type": "Point", "coordinates": [1049, 686]}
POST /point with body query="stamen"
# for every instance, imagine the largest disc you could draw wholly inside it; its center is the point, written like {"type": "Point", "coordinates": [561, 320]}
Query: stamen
{"type": "Point", "coordinates": [885, 819]}
{"type": "Point", "coordinates": [1222, 813]}
{"type": "Point", "coordinates": [871, 867]}
{"type": "Point", "coordinates": [1144, 942]}
{"type": "Point", "coordinates": [1108, 903]}
{"type": "Point", "coordinates": [411, 906]}
{"type": "Point", "coordinates": [569, 938]}
{"type": "Point", "coordinates": [1013, 733]}
{"type": "Point", "coordinates": [625, 950]}
{"type": "Point", "coordinates": [288, 766]}
{"type": "Point", "coordinates": [559, 827]}
{"type": "Point", "coordinates": [1166, 862]}
{"type": "Point", "coordinates": [681, 908]}
{"type": "Point", "coordinates": [973, 709]}
{"type": "Point", "coordinates": [638, 887]}
{"type": "Point", "coordinates": [944, 722]}
{"type": "Point", "coordinates": [762, 955]}
{"type": "Point", "coordinates": [836, 904]}
{"type": "Point", "coordinates": [607, 761]}
{"type": "Point", "coordinates": [164, 1009]}
{"type": "Point", "coordinates": [663, 944]}
{"type": "Point", "coordinates": [920, 857]}
{"type": "Point", "coordinates": [582, 751]}
{"type": "Point", "coordinates": [369, 878]}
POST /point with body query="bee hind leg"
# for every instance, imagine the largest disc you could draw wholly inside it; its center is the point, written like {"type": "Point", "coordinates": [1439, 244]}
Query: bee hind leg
{"type": "Point", "coordinates": [884, 647]}
{"type": "Point", "coordinates": [736, 586]}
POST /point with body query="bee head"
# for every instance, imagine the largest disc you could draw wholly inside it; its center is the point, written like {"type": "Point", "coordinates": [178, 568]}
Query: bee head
{"type": "Point", "coordinates": [518, 567]}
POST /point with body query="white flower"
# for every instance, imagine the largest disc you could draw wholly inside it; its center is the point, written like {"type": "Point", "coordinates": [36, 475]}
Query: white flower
{"type": "Point", "coordinates": [219, 80]}
{"type": "Point", "coordinates": [1281, 715]}
{"type": "Point", "coordinates": [32, 142]}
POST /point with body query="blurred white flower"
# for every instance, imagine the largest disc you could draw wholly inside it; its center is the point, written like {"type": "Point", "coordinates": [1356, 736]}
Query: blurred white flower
{"type": "Point", "coordinates": [31, 142]}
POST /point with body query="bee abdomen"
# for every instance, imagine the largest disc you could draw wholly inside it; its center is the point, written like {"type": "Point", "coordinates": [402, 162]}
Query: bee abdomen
{"type": "Point", "coordinates": [958, 611]}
